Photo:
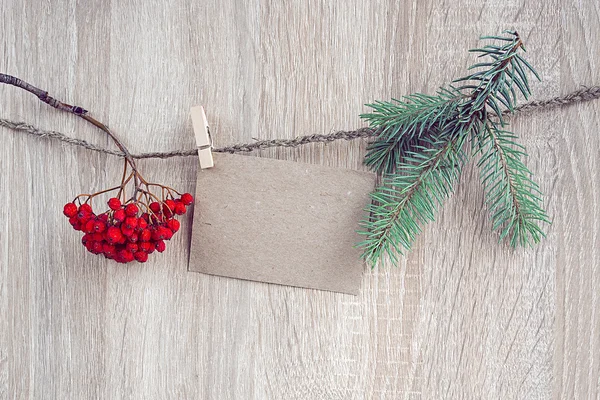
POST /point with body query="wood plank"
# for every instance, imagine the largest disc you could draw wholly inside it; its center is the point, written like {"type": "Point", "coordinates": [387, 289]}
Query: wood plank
{"type": "Point", "coordinates": [461, 316]}
{"type": "Point", "coordinates": [577, 151]}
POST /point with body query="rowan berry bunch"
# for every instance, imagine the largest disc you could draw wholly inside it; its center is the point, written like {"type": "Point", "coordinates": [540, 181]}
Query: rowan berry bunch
{"type": "Point", "coordinates": [130, 229]}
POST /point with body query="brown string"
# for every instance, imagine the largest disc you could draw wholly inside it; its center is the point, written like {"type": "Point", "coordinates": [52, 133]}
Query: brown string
{"type": "Point", "coordinates": [585, 94]}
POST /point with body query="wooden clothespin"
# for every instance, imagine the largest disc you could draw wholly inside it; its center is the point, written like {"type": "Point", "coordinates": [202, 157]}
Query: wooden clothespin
{"type": "Point", "coordinates": [203, 139]}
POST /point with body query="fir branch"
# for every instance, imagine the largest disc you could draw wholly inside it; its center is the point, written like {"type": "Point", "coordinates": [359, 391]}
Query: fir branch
{"type": "Point", "coordinates": [402, 123]}
{"type": "Point", "coordinates": [418, 150]}
{"type": "Point", "coordinates": [411, 196]}
{"type": "Point", "coordinates": [513, 198]}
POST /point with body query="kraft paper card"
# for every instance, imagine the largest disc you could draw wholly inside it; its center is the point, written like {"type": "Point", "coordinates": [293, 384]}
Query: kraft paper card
{"type": "Point", "coordinates": [280, 222]}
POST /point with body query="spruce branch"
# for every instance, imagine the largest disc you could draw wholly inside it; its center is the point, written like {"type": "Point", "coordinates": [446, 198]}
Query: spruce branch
{"type": "Point", "coordinates": [402, 123]}
{"type": "Point", "coordinates": [419, 152]}
{"type": "Point", "coordinates": [411, 196]}
{"type": "Point", "coordinates": [512, 197]}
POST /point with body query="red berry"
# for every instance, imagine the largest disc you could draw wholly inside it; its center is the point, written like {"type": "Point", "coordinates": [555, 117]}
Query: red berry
{"type": "Point", "coordinates": [99, 226]}
{"type": "Point", "coordinates": [179, 209]}
{"type": "Point", "coordinates": [173, 225]}
{"type": "Point", "coordinates": [169, 205]}
{"type": "Point", "coordinates": [148, 247]}
{"type": "Point", "coordinates": [132, 247]}
{"type": "Point", "coordinates": [89, 226]}
{"type": "Point", "coordinates": [97, 247]}
{"type": "Point", "coordinates": [162, 233]}
{"type": "Point", "coordinates": [142, 223]}
{"type": "Point", "coordinates": [119, 215]}
{"type": "Point", "coordinates": [108, 249]}
{"type": "Point", "coordinates": [133, 238]}
{"type": "Point", "coordinates": [145, 235]}
{"type": "Point", "coordinates": [141, 256]}
{"type": "Point", "coordinates": [113, 235]}
{"type": "Point", "coordinates": [114, 203]}
{"type": "Point", "coordinates": [187, 199]}
{"type": "Point", "coordinates": [155, 207]}
{"type": "Point", "coordinates": [130, 222]}
{"type": "Point", "coordinates": [126, 256]}
{"type": "Point", "coordinates": [75, 223]}
{"type": "Point", "coordinates": [131, 210]}
{"type": "Point", "coordinates": [168, 208]}
{"type": "Point", "coordinates": [85, 213]}
{"type": "Point", "coordinates": [103, 217]}
{"type": "Point", "coordinates": [127, 231]}
{"type": "Point", "coordinates": [70, 210]}
{"type": "Point", "coordinates": [160, 246]}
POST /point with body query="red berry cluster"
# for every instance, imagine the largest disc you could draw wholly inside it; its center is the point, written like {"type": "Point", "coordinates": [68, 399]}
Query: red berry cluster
{"type": "Point", "coordinates": [125, 232]}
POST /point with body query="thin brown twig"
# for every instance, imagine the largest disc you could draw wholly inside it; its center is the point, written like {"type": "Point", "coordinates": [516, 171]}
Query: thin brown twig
{"type": "Point", "coordinates": [42, 95]}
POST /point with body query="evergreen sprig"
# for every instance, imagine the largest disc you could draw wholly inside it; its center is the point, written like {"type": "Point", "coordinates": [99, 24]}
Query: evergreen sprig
{"type": "Point", "coordinates": [512, 197]}
{"type": "Point", "coordinates": [420, 150]}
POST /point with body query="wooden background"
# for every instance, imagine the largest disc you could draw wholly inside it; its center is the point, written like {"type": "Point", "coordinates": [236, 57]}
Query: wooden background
{"type": "Point", "coordinates": [460, 317]}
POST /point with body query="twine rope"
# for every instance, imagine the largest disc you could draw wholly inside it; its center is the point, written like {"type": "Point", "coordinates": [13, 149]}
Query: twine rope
{"type": "Point", "coordinates": [578, 96]}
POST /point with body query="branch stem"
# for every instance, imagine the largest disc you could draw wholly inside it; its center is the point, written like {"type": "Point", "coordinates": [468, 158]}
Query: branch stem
{"type": "Point", "coordinates": [42, 95]}
{"type": "Point", "coordinates": [78, 111]}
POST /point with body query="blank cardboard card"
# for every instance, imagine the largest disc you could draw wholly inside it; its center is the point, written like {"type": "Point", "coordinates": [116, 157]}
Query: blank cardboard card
{"type": "Point", "coordinates": [280, 222]}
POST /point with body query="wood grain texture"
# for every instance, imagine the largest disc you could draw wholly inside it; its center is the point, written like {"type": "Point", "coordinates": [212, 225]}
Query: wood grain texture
{"type": "Point", "coordinates": [460, 317]}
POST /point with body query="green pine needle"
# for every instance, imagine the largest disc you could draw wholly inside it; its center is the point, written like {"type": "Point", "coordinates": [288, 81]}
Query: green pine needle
{"type": "Point", "coordinates": [420, 152]}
